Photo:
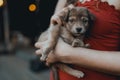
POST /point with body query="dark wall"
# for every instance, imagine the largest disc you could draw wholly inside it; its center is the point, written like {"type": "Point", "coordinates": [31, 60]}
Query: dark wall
{"type": "Point", "coordinates": [1, 24]}
{"type": "Point", "coordinates": [29, 23]}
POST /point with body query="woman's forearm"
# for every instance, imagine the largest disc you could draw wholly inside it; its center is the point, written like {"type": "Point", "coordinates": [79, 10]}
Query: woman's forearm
{"type": "Point", "coordinates": [60, 5]}
{"type": "Point", "coordinates": [105, 61]}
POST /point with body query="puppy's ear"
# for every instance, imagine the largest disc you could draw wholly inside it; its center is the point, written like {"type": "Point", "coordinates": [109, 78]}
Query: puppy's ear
{"type": "Point", "coordinates": [67, 11]}
{"type": "Point", "coordinates": [91, 16]}
{"type": "Point", "coordinates": [66, 17]}
{"type": "Point", "coordinates": [91, 23]}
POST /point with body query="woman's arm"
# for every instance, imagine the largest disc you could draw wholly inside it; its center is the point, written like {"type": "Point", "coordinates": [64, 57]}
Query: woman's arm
{"type": "Point", "coordinates": [60, 5]}
{"type": "Point", "coordinates": [103, 61]}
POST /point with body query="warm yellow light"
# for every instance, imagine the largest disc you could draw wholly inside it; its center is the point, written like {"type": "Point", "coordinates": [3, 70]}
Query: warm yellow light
{"type": "Point", "coordinates": [1, 3]}
{"type": "Point", "coordinates": [32, 7]}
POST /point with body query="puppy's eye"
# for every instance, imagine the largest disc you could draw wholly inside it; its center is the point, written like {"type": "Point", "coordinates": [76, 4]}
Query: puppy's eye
{"type": "Point", "coordinates": [71, 20]}
{"type": "Point", "coordinates": [85, 20]}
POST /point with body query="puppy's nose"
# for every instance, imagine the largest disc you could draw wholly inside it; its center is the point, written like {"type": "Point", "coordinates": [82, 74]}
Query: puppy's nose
{"type": "Point", "coordinates": [78, 29]}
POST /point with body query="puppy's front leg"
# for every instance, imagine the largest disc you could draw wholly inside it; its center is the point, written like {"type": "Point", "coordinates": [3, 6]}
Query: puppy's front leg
{"type": "Point", "coordinates": [77, 43]}
{"type": "Point", "coordinates": [53, 34]}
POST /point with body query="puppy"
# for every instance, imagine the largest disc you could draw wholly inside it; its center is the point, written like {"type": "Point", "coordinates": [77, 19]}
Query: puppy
{"type": "Point", "coordinates": [72, 28]}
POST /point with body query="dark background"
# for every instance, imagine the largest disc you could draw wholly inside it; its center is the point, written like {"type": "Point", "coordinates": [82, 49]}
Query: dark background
{"type": "Point", "coordinates": [31, 24]}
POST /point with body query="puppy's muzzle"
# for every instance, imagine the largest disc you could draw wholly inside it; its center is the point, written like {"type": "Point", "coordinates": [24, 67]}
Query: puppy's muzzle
{"type": "Point", "coordinates": [78, 30]}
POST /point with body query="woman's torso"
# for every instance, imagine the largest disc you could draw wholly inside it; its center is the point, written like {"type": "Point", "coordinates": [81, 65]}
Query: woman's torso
{"type": "Point", "coordinates": [105, 35]}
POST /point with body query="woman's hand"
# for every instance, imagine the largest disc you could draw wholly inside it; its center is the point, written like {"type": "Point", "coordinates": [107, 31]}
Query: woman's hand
{"type": "Point", "coordinates": [58, 54]}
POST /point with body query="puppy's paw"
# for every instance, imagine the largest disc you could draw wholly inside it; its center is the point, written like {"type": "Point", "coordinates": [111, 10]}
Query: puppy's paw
{"type": "Point", "coordinates": [45, 53]}
{"type": "Point", "coordinates": [77, 43]}
{"type": "Point", "coordinates": [79, 74]}
{"type": "Point", "coordinates": [45, 49]}
{"type": "Point", "coordinates": [43, 57]}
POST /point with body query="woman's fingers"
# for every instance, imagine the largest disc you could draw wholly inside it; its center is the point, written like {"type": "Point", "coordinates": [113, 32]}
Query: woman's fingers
{"type": "Point", "coordinates": [38, 44]}
{"type": "Point", "coordinates": [38, 52]}
{"type": "Point", "coordinates": [51, 58]}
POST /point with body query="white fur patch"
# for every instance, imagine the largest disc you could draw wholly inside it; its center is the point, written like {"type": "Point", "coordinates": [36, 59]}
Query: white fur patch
{"type": "Point", "coordinates": [71, 6]}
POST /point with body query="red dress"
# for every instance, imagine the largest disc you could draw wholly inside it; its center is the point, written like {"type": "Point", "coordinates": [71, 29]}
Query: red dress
{"type": "Point", "coordinates": [105, 35]}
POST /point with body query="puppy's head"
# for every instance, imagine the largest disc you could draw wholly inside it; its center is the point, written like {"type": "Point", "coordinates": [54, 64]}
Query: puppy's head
{"type": "Point", "coordinates": [78, 20]}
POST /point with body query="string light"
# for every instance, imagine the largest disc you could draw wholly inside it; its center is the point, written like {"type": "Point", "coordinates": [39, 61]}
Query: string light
{"type": "Point", "coordinates": [1, 3]}
{"type": "Point", "coordinates": [32, 7]}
